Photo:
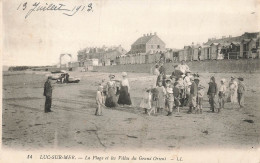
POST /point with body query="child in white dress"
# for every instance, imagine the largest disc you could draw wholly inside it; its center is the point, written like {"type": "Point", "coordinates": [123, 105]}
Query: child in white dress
{"type": "Point", "coordinates": [99, 101]}
{"type": "Point", "coordinates": [200, 99]}
{"type": "Point", "coordinates": [146, 102]}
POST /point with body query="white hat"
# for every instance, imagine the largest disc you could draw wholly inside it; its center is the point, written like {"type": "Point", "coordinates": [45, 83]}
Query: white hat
{"type": "Point", "coordinates": [124, 74]}
{"type": "Point", "coordinates": [223, 80]}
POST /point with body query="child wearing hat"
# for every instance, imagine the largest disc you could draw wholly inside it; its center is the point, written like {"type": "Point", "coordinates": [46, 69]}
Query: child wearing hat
{"type": "Point", "coordinates": [193, 96]}
{"type": "Point", "coordinates": [99, 101]}
{"type": "Point", "coordinates": [241, 92]}
{"type": "Point", "coordinates": [169, 97]}
{"type": "Point", "coordinates": [161, 97]}
{"type": "Point", "coordinates": [200, 99]}
{"type": "Point", "coordinates": [176, 94]}
{"type": "Point", "coordinates": [154, 100]}
{"type": "Point", "coordinates": [146, 102]}
{"type": "Point", "coordinates": [222, 94]}
{"type": "Point", "coordinates": [187, 85]}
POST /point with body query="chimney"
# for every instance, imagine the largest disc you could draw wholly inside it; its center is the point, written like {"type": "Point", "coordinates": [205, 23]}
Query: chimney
{"type": "Point", "coordinates": [230, 36]}
{"type": "Point", "coordinates": [147, 34]}
{"type": "Point", "coordinates": [155, 33]}
{"type": "Point", "coordinates": [143, 34]}
{"type": "Point", "coordinates": [150, 34]}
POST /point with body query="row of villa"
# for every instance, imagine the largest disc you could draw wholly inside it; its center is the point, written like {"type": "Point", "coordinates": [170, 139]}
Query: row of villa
{"type": "Point", "coordinates": [150, 49]}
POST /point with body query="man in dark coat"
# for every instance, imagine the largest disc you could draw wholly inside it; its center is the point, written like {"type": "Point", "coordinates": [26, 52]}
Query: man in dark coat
{"type": "Point", "coordinates": [212, 91]}
{"type": "Point", "coordinates": [48, 94]}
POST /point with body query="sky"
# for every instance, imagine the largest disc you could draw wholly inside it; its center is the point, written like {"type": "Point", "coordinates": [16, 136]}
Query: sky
{"type": "Point", "coordinates": [44, 35]}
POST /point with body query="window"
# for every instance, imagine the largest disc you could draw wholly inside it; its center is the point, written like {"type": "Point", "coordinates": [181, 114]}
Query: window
{"type": "Point", "coordinates": [151, 46]}
{"type": "Point", "coordinates": [158, 46]}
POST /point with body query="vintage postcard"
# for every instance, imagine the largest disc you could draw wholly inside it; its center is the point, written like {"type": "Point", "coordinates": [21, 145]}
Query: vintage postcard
{"type": "Point", "coordinates": [130, 81]}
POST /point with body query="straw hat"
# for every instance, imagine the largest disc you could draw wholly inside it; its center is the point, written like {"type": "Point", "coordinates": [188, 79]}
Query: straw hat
{"type": "Point", "coordinates": [124, 74]}
{"type": "Point", "coordinates": [111, 76]}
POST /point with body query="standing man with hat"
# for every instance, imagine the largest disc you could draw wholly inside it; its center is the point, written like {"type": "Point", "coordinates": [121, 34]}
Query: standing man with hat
{"type": "Point", "coordinates": [48, 95]}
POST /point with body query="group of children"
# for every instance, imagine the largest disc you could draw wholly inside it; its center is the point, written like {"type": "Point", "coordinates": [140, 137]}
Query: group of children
{"type": "Point", "coordinates": [174, 93]}
{"type": "Point", "coordinates": [184, 90]}
{"type": "Point", "coordinates": [178, 93]}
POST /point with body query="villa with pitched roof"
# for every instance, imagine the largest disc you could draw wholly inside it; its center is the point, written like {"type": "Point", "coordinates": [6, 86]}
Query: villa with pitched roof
{"type": "Point", "coordinates": [148, 43]}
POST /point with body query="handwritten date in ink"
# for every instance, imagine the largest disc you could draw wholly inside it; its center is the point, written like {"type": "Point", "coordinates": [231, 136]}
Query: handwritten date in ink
{"type": "Point", "coordinates": [52, 7]}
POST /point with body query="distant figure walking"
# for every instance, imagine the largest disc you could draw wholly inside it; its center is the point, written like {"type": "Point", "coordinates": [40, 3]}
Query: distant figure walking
{"type": "Point", "coordinates": [124, 96]}
{"type": "Point", "coordinates": [48, 95]}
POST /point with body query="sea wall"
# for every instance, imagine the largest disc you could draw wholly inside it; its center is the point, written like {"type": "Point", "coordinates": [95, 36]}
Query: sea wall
{"type": "Point", "coordinates": [242, 65]}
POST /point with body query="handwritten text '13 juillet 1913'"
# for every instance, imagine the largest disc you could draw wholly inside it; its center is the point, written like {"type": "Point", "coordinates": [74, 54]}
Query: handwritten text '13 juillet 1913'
{"type": "Point", "coordinates": [52, 7]}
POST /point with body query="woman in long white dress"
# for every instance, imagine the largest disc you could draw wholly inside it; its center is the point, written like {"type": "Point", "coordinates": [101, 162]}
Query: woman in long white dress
{"type": "Point", "coordinates": [233, 91]}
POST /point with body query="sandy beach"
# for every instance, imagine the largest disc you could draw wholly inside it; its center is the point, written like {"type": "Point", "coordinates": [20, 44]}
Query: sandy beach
{"type": "Point", "coordinates": [73, 125]}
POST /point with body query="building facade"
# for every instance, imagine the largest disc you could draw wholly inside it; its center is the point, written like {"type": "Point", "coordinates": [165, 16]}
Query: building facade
{"type": "Point", "coordinates": [105, 55]}
{"type": "Point", "coordinates": [148, 43]}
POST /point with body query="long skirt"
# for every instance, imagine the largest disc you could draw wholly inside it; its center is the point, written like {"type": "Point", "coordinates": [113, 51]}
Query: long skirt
{"type": "Point", "coordinates": [124, 96]}
{"type": "Point", "coordinates": [233, 96]}
{"type": "Point", "coordinates": [111, 98]}
{"type": "Point", "coordinates": [212, 101]}
{"type": "Point", "coordinates": [48, 104]}
{"type": "Point", "coordinates": [241, 99]}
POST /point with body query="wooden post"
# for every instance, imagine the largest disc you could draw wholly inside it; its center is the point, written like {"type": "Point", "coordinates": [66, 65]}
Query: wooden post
{"type": "Point", "coordinates": [228, 56]}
